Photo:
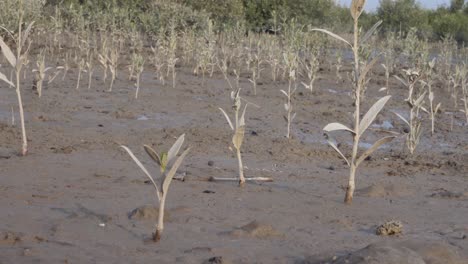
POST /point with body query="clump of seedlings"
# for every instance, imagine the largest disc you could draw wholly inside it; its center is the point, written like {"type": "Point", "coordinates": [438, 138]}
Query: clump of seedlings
{"type": "Point", "coordinates": [238, 138]}
{"type": "Point", "coordinates": [415, 101]}
{"type": "Point", "coordinates": [168, 163]}
{"type": "Point", "coordinates": [360, 125]}
{"type": "Point", "coordinates": [17, 62]}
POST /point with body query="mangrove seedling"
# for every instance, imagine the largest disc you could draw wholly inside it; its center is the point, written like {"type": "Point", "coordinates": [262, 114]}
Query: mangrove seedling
{"type": "Point", "coordinates": [168, 164]}
{"type": "Point", "coordinates": [238, 138]}
{"type": "Point", "coordinates": [360, 125]}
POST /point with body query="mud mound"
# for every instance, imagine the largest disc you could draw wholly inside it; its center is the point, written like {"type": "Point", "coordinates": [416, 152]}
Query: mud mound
{"type": "Point", "coordinates": [147, 212]}
{"type": "Point", "coordinates": [405, 252]}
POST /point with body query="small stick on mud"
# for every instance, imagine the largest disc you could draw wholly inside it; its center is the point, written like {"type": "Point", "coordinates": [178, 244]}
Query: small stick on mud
{"type": "Point", "coordinates": [263, 179]}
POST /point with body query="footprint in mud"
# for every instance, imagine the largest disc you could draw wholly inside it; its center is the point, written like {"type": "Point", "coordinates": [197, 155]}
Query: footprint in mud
{"type": "Point", "coordinates": [446, 194]}
{"type": "Point", "coordinates": [151, 213]}
{"type": "Point", "coordinates": [11, 238]}
{"type": "Point", "coordinates": [254, 229]}
{"type": "Point", "coordinates": [383, 190]}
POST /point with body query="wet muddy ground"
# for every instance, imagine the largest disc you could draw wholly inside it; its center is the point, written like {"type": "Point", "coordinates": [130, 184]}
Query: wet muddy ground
{"type": "Point", "coordinates": [70, 200]}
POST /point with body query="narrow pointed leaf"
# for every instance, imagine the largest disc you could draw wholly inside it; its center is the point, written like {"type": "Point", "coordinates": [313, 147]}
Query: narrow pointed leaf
{"type": "Point", "coordinates": [135, 159]}
{"type": "Point", "coordinates": [366, 70]}
{"type": "Point", "coordinates": [370, 32]}
{"type": "Point", "coordinates": [170, 175]}
{"type": "Point", "coordinates": [331, 141]}
{"type": "Point", "coordinates": [227, 118]}
{"type": "Point", "coordinates": [374, 147]}
{"type": "Point", "coordinates": [153, 154]}
{"type": "Point", "coordinates": [5, 79]}
{"type": "Point", "coordinates": [284, 93]}
{"type": "Point", "coordinates": [26, 34]}
{"type": "Point", "coordinates": [372, 113]}
{"type": "Point", "coordinates": [405, 83]}
{"type": "Point", "coordinates": [242, 117]}
{"type": "Point", "coordinates": [333, 35]}
{"type": "Point", "coordinates": [7, 53]}
{"type": "Point", "coordinates": [337, 126]}
{"type": "Point", "coordinates": [175, 148]}
{"type": "Point", "coordinates": [437, 108]}
{"type": "Point", "coordinates": [420, 99]}
{"type": "Point", "coordinates": [402, 118]}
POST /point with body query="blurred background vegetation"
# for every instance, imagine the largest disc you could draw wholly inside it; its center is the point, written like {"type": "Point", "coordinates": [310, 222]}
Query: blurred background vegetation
{"type": "Point", "coordinates": [398, 16]}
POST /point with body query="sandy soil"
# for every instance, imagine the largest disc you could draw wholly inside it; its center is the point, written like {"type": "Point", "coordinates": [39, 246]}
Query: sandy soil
{"type": "Point", "coordinates": [70, 200]}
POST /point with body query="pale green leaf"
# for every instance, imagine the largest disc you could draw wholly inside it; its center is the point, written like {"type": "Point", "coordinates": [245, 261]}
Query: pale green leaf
{"type": "Point", "coordinates": [227, 118]}
{"type": "Point", "coordinates": [135, 159]}
{"type": "Point", "coordinates": [370, 32]}
{"type": "Point", "coordinates": [337, 126]}
{"type": "Point", "coordinates": [374, 148]}
{"type": "Point", "coordinates": [5, 79]}
{"type": "Point", "coordinates": [332, 35]}
{"type": "Point", "coordinates": [170, 175]}
{"type": "Point", "coordinates": [153, 154]}
{"type": "Point", "coordinates": [331, 141]}
{"type": "Point", "coordinates": [402, 118]}
{"type": "Point", "coordinates": [7, 53]}
{"type": "Point", "coordinates": [372, 113]}
{"type": "Point", "coordinates": [26, 34]}
{"type": "Point", "coordinates": [175, 148]}
{"type": "Point", "coordinates": [238, 137]}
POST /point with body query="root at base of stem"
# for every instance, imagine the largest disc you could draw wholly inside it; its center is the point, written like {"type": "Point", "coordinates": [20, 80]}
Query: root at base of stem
{"type": "Point", "coordinates": [349, 196]}
{"type": "Point", "coordinates": [157, 236]}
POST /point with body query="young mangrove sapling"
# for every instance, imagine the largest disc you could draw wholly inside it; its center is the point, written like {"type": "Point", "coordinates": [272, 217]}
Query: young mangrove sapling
{"type": "Point", "coordinates": [168, 165]}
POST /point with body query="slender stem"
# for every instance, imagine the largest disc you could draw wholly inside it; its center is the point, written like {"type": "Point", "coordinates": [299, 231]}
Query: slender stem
{"type": "Point", "coordinates": [160, 225]}
{"type": "Point", "coordinates": [112, 82]}
{"type": "Point", "coordinates": [351, 183]}
{"type": "Point", "coordinates": [79, 78]}
{"type": "Point", "coordinates": [90, 76]}
{"type": "Point", "coordinates": [18, 75]}
{"type": "Point", "coordinates": [137, 86]}
{"type": "Point", "coordinates": [241, 169]}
